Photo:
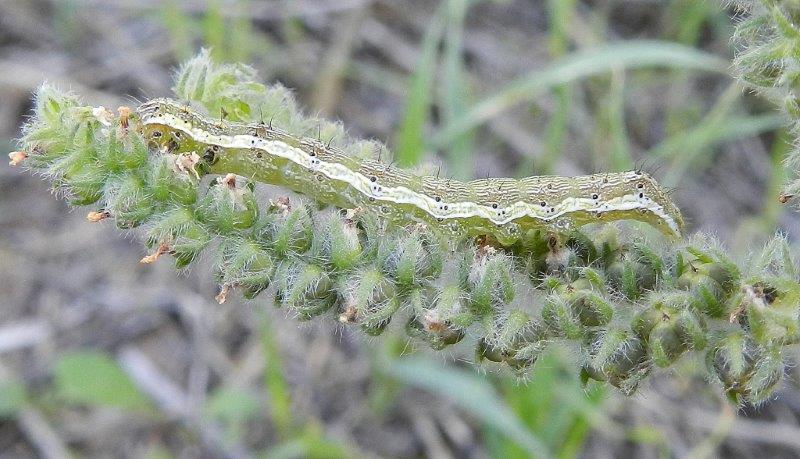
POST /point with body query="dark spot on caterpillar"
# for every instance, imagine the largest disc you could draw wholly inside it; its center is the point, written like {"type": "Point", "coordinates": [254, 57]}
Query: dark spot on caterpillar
{"type": "Point", "coordinates": [437, 198]}
{"type": "Point", "coordinates": [595, 196]}
{"type": "Point", "coordinates": [445, 207]}
{"type": "Point", "coordinates": [552, 209]}
{"type": "Point", "coordinates": [210, 156]}
{"type": "Point", "coordinates": [641, 195]}
{"type": "Point", "coordinates": [178, 134]}
{"type": "Point", "coordinates": [373, 179]}
{"type": "Point", "coordinates": [440, 219]}
{"type": "Point", "coordinates": [371, 199]}
{"type": "Point", "coordinates": [549, 186]}
{"type": "Point", "coordinates": [156, 134]}
{"type": "Point", "coordinates": [640, 185]}
{"type": "Point", "coordinates": [494, 206]}
{"type": "Point", "coordinates": [259, 154]}
{"type": "Point", "coordinates": [173, 145]}
{"type": "Point", "coordinates": [312, 154]}
{"type": "Point", "coordinates": [543, 204]}
{"type": "Point", "coordinates": [605, 179]}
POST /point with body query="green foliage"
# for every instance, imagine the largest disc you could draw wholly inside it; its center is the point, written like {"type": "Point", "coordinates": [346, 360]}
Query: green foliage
{"type": "Point", "coordinates": [232, 409]}
{"type": "Point", "coordinates": [629, 54]}
{"type": "Point", "coordinates": [94, 379]}
{"type": "Point", "coordinates": [13, 397]}
{"type": "Point", "coordinates": [410, 137]}
{"type": "Point", "coordinates": [768, 43]}
{"type": "Point", "coordinates": [630, 305]}
{"type": "Point", "coordinates": [470, 393]}
{"type": "Point", "coordinates": [554, 406]}
{"type": "Point", "coordinates": [311, 444]}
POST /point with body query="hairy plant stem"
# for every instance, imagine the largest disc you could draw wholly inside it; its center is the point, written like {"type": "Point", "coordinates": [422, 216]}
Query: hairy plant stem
{"type": "Point", "coordinates": [630, 304]}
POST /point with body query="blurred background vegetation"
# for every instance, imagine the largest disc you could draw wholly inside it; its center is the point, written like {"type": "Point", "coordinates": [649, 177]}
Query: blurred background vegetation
{"type": "Point", "coordinates": [100, 356]}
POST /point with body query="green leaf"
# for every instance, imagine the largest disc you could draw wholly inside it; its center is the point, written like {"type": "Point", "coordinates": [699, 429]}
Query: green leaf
{"type": "Point", "coordinates": [157, 451]}
{"type": "Point", "coordinates": [630, 54]}
{"type": "Point", "coordinates": [473, 394]}
{"type": "Point", "coordinates": [232, 408]}
{"type": "Point", "coordinates": [454, 91]}
{"type": "Point", "coordinates": [280, 400]}
{"type": "Point", "coordinates": [13, 397]}
{"type": "Point", "coordinates": [411, 134]}
{"type": "Point", "coordinates": [93, 378]}
{"type": "Point", "coordinates": [310, 444]}
{"type": "Point", "coordinates": [232, 405]}
{"type": "Point", "coordinates": [687, 147]}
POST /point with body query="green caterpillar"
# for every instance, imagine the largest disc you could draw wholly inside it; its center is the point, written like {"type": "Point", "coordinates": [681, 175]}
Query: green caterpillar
{"type": "Point", "coordinates": [504, 208]}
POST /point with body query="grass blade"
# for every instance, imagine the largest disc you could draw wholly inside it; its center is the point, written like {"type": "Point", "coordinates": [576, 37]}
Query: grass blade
{"type": "Point", "coordinates": [474, 395]}
{"type": "Point", "coordinates": [630, 54]}
{"type": "Point", "coordinates": [561, 14]}
{"type": "Point", "coordinates": [454, 94]}
{"type": "Point", "coordinates": [706, 135]}
{"type": "Point", "coordinates": [278, 388]}
{"type": "Point", "coordinates": [410, 137]}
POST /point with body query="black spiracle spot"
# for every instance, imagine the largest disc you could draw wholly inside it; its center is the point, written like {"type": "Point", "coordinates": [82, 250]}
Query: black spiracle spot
{"type": "Point", "coordinates": [210, 156]}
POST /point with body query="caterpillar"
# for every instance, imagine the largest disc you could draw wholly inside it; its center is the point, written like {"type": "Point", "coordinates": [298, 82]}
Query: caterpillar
{"type": "Point", "coordinates": [504, 208]}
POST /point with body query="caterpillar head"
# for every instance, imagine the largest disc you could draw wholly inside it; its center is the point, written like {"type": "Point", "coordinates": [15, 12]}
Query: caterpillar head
{"type": "Point", "coordinates": [167, 126]}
